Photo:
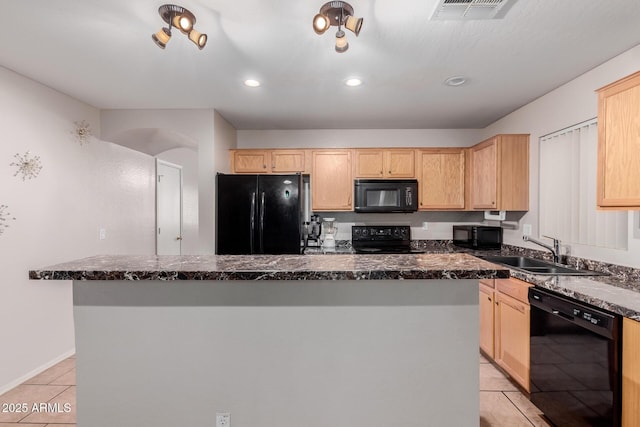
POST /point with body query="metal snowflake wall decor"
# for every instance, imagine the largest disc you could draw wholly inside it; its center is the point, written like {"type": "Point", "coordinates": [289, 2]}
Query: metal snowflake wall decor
{"type": "Point", "coordinates": [28, 166]}
{"type": "Point", "coordinates": [82, 132]}
{"type": "Point", "coordinates": [5, 217]}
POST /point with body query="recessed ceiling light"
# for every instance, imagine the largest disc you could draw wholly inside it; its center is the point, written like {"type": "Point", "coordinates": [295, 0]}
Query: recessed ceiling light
{"type": "Point", "coordinates": [455, 81]}
{"type": "Point", "coordinates": [251, 83]}
{"type": "Point", "coordinates": [353, 82]}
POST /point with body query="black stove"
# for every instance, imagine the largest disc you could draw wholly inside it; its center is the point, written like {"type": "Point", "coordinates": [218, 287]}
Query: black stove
{"type": "Point", "coordinates": [381, 239]}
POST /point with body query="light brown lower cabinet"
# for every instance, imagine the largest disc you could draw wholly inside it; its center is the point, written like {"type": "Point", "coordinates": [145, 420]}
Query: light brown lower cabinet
{"type": "Point", "coordinates": [510, 316]}
{"type": "Point", "coordinates": [512, 350]}
{"type": "Point", "coordinates": [630, 373]}
{"type": "Point", "coordinates": [487, 323]}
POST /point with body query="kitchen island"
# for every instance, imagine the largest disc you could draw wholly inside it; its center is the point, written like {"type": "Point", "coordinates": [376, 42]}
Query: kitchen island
{"type": "Point", "coordinates": [286, 341]}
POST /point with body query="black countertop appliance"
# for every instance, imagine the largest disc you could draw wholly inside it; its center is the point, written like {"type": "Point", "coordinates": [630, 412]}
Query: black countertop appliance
{"type": "Point", "coordinates": [477, 236]}
{"type": "Point", "coordinates": [258, 214]}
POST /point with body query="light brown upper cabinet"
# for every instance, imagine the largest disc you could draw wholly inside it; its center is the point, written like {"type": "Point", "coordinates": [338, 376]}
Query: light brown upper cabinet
{"type": "Point", "coordinates": [287, 161]}
{"type": "Point", "coordinates": [250, 161]}
{"type": "Point", "coordinates": [384, 163]}
{"type": "Point", "coordinates": [268, 161]}
{"type": "Point", "coordinates": [499, 175]}
{"type": "Point", "coordinates": [619, 144]}
{"type": "Point", "coordinates": [441, 178]}
{"type": "Point", "coordinates": [331, 180]}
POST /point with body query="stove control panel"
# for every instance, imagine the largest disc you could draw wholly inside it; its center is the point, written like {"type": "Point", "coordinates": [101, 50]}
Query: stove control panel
{"type": "Point", "coordinates": [380, 233]}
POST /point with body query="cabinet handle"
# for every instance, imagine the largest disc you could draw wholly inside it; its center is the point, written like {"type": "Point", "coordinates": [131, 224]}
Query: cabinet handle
{"type": "Point", "coordinates": [489, 298]}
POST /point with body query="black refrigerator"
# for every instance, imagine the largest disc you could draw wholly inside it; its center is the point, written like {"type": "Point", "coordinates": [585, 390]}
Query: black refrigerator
{"type": "Point", "coordinates": [258, 214]}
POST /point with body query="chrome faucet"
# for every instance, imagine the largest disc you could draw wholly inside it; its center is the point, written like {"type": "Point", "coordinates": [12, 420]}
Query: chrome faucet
{"type": "Point", "coordinates": [555, 249]}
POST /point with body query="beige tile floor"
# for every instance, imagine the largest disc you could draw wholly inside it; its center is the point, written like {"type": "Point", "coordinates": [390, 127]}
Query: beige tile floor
{"type": "Point", "coordinates": [501, 404]}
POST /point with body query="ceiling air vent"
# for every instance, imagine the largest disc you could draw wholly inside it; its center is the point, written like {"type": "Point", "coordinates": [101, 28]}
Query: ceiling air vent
{"type": "Point", "coordinates": [471, 9]}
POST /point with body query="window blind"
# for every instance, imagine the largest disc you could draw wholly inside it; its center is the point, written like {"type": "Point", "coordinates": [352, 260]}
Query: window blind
{"type": "Point", "coordinates": [568, 168]}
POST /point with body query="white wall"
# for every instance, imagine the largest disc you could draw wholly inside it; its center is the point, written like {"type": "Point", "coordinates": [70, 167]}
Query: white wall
{"type": "Point", "coordinates": [58, 214]}
{"type": "Point", "coordinates": [162, 131]}
{"type": "Point", "coordinates": [568, 105]}
{"type": "Point", "coordinates": [215, 160]}
{"type": "Point", "coordinates": [341, 138]}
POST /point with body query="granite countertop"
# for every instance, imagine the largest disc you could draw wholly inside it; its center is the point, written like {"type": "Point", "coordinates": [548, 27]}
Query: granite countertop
{"type": "Point", "coordinates": [618, 293]}
{"type": "Point", "coordinates": [273, 267]}
{"type": "Point", "coordinates": [611, 293]}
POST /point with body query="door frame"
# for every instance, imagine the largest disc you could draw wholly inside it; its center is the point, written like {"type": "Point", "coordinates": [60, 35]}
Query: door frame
{"type": "Point", "coordinates": [157, 179]}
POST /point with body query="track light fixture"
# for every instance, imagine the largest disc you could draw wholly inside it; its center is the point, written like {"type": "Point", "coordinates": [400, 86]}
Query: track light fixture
{"type": "Point", "coordinates": [180, 18]}
{"type": "Point", "coordinates": [337, 14]}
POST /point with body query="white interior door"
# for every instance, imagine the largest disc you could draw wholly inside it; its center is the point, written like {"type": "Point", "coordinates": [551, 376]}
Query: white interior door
{"type": "Point", "coordinates": [168, 208]}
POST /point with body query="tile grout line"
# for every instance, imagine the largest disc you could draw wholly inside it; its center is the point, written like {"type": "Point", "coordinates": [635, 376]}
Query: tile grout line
{"type": "Point", "coordinates": [519, 410]}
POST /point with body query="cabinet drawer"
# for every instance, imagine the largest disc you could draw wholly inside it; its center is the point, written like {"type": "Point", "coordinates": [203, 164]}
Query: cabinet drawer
{"type": "Point", "coordinates": [488, 282]}
{"type": "Point", "coordinates": [515, 288]}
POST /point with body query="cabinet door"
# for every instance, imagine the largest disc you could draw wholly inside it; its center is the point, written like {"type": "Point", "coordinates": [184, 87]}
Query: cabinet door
{"type": "Point", "coordinates": [369, 163]}
{"type": "Point", "coordinates": [512, 349]}
{"type": "Point", "coordinates": [287, 161]}
{"type": "Point", "coordinates": [441, 179]}
{"type": "Point", "coordinates": [484, 175]}
{"type": "Point", "coordinates": [486, 320]}
{"type": "Point", "coordinates": [331, 181]}
{"type": "Point", "coordinates": [251, 161]}
{"type": "Point", "coordinates": [400, 163]}
{"type": "Point", "coordinates": [630, 373]}
{"type": "Point", "coordinates": [618, 143]}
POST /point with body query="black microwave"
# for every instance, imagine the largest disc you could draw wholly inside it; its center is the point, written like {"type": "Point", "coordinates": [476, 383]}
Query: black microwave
{"type": "Point", "coordinates": [386, 195]}
{"type": "Point", "coordinates": [477, 236]}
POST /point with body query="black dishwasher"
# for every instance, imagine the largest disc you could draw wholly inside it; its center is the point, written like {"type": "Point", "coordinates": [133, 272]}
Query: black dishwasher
{"type": "Point", "coordinates": [575, 361]}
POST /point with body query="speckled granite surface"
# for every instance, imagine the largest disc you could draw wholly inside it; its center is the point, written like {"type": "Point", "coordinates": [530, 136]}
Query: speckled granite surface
{"type": "Point", "coordinates": [274, 267]}
{"type": "Point", "coordinates": [607, 292]}
{"type": "Point", "coordinates": [619, 292]}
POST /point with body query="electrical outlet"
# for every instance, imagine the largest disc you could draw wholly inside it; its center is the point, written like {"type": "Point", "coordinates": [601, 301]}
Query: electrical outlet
{"type": "Point", "coordinates": [102, 233]}
{"type": "Point", "coordinates": [526, 229]}
{"type": "Point", "coordinates": [223, 419]}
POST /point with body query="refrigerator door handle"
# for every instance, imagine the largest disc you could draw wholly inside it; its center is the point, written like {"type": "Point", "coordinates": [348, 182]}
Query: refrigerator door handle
{"type": "Point", "coordinates": [252, 222]}
{"type": "Point", "coordinates": [262, 207]}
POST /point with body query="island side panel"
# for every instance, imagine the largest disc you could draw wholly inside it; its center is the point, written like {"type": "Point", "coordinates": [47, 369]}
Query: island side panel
{"type": "Point", "coordinates": [277, 353]}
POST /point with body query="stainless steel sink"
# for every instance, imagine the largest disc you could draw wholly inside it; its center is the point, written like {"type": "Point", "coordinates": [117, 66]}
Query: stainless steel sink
{"type": "Point", "coordinates": [536, 266]}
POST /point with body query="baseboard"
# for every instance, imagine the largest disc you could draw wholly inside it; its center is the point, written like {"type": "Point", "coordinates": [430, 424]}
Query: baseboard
{"type": "Point", "coordinates": [6, 387]}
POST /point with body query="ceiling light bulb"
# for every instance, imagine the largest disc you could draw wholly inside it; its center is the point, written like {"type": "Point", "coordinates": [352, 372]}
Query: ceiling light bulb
{"type": "Point", "coordinates": [198, 38]}
{"type": "Point", "coordinates": [353, 24]}
{"type": "Point", "coordinates": [353, 82]}
{"type": "Point", "coordinates": [321, 23]}
{"type": "Point", "coordinates": [341, 42]}
{"type": "Point", "coordinates": [183, 23]}
{"type": "Point", "coordinates": [251, 83]}
{"type": "Point", "coordinates": [162, 37]}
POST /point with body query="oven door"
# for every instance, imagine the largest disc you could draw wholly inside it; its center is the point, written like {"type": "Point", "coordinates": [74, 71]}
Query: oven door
{"type": "Point", "coordinates": [575, 361]}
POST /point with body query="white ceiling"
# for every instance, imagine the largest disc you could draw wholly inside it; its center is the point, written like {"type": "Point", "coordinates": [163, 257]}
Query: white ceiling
{"type": "Point", "coordinates": [101, 52]}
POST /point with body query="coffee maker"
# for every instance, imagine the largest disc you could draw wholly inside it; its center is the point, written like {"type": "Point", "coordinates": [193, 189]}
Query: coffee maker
{"type": "Point", "coordinates": [313, 230]}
